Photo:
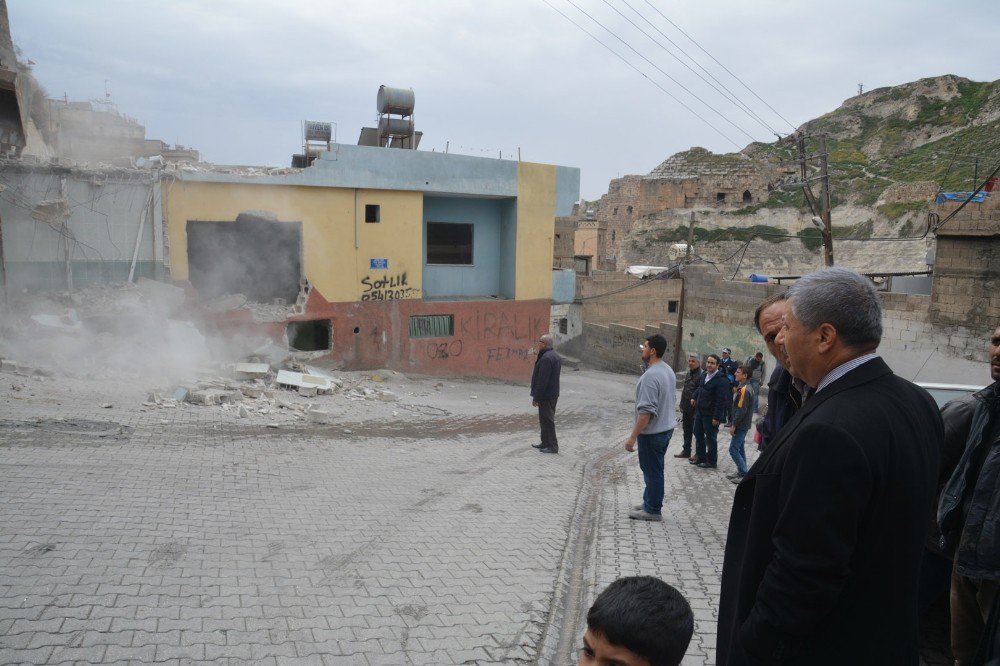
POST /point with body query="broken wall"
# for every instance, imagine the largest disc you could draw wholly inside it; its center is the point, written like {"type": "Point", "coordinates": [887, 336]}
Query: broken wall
{"type": "Point", "coordinates": [72, 227]}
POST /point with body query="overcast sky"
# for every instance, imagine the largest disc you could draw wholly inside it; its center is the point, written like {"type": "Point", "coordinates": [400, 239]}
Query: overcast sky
{"type": "Point", "coordinates": [234, 78]}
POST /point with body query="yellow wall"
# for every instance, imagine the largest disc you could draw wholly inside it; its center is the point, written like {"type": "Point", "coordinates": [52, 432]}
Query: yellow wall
{"type": "Point", "coordinates": [330, 261]}
{"type": "Point", "coordinates": [536, 210]}
{"type": "Point", "coordinates": [585, 241]}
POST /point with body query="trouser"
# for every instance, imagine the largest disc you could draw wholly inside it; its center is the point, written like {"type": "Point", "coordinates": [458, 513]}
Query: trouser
{"type": "Point", "coordinates": [706, 436]}
{"type": "Point", "coordinates": [737, 453]}
{"type": "Point", "coordinates": [547, 421]}
{"type": "Point", "coordinates": [687, 425]}
{"type": "Point", "coordinates": [652, 448]}
{"type": "Point", "coordinates": [971, 599]}
{"type": "Point", "coordinates": [756, 395]}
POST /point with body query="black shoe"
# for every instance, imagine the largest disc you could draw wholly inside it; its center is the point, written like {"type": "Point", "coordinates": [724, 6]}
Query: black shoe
{"type": "Point", "coordinates": [694, 461]}
{"type": "Point", "coordinates": [682, 455]}
{"type": "Point", "coordinates": [537, 446]}
{"type": "Point", "coordinates": [705, 465]}
{"type": "Point", "coordinates": [548, 449]}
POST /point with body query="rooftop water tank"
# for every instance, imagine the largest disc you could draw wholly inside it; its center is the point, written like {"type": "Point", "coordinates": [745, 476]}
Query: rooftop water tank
{"type": "Point", "coordinates": [398, 101]}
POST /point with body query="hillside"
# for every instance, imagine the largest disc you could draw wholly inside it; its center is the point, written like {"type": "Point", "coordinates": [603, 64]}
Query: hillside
{"type": "Point", "coordinates": [931, 130]}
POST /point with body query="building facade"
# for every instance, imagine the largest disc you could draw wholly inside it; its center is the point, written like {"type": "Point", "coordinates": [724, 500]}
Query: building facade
{"type": "Point", "coordinates": [418, 261]}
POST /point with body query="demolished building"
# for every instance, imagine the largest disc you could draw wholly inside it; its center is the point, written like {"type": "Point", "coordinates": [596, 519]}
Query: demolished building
{"type": "Point", "coordinates": [373, 256]}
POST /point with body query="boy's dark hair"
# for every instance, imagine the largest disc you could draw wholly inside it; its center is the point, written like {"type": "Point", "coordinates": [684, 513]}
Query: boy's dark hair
{"type": "Point", "coordinates": [718, 361]}
{"type": "Point", "coordinates": [645, 615]}
{"type": "Point", "coordinates": [742, 368]}
{"type": "Point", "coordinates": [657, 343]}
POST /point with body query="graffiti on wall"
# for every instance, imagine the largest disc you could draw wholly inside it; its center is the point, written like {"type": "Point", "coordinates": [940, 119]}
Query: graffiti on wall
{"type": "Point", "coordinates": [502, 354]}
{"type": "Point", "coordinates": [444, 350]}
{"type": "Point", "coordinates": [488, 325]}
{"type": "Point", "coordinates": [387, 288]}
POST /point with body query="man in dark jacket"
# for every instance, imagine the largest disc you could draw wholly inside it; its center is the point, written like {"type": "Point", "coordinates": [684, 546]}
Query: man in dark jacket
{"type": "Point", "coordinates": [969, 516]}
{"type": "Point", "coordinates": [784, 395]}
{"type": "Point", "coordinates": [687, 409]}
{"type": "Point", "coordinates": [545, 392]}
{"type": "Point", "coordinates": [827, 529]}
{"type": "Point", "coordinates": [710, 401]}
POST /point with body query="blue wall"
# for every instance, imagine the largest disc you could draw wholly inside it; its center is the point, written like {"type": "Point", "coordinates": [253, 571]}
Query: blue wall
{"type": "Point", "coordinates": [483, 277]}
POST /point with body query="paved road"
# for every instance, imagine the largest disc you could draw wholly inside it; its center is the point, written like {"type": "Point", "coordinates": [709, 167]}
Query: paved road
{"type": "Point", "coordinates": [423, 531]}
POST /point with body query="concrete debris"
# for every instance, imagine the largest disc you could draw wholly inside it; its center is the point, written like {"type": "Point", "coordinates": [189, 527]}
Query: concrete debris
{"type": "Point", "coordinates": [318, 415]}
{"type": "Point", "coordinates": [251, 370]}
{"type": "Point", "coordinates": [304, 380]}
{"type": "Point", "coordinates": [69, 321]}
{"type": "Point", "coordinates": [307, 391]}
{"type": "Point", "coordinates": [180, 394]}
{"type": "Point", "coordinates": [387, 396]}
{"type": "Point", "coordinates": [242, 412]}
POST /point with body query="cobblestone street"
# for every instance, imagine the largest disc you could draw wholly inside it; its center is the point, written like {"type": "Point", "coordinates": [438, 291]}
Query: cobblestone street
{"type": "Point", "coordinates": [435, 536]}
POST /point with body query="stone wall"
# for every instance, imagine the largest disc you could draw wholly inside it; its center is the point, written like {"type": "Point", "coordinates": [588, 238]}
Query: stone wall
{"type": "Point", "coordinates": [966, 289]}
{"type": "Point", "coordinates": [710, 297]}
{"type": "Point", "coordinates": [621, 299]}
{"type": "Point", "coordinates": [615, 348]}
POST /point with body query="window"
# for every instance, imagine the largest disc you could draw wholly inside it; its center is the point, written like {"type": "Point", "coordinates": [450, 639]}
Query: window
{"type": "Point", "coordinates": [373, 213]}
{"type": "Point", "coordinates": [629, 209]}
{"type": "Point", "coordinates": [720, 197]}
{"type": "Point", "coordinates": [449, 244]}
{"type": "Point", "coordinates": [432, 326]}
{"type": "Point", "coordinates": [612, 235]}
{"type": "Point", "coordinates": [615, 212]}
{"type": "Point", "coordinates": [671, 306]}
{"type": "Point", "coordinates": [564, 325]}
{"type": "Point", "coordinates": [747, 197]}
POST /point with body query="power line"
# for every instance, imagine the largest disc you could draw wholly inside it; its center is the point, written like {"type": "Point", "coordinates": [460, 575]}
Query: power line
{"type": "Point", "coordinates": [644, 75]}
{"type": "Point", "coordinates": [693, 41]}
{"type": "Point", "coordinates": [661, 71]}
{"type": "Point", "coordinates": [728, 94]}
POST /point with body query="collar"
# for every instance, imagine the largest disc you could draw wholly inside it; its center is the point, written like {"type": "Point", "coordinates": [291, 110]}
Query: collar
{"type": "Point", "coordinates": [843, 369]}
{"type": "Point", "coordinates": [709, 375]}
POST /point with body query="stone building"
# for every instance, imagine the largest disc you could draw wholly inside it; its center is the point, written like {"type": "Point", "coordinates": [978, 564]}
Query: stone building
{"type": "Point", "coordinates": [966, 287]}
{"type": "Point", "coordinates": [695, 178]}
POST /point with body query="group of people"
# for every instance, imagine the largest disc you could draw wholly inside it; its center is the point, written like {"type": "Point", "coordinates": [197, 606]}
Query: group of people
{"type": "Point", "coordinates": [829, 545]}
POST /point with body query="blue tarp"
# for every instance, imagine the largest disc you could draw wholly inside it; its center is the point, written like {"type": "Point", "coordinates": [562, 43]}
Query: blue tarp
{"type": "Point", "coordinates": [961, 196]}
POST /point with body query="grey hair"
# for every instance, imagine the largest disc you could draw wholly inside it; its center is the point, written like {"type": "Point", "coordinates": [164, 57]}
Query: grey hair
{"type": "Point", "coordinates": [843, 299]}
{"type": "Point", "coordinates": [547, 339]}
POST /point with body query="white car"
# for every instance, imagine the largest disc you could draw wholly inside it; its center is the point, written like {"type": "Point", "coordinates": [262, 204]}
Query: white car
{"type": "Point", "coordinates": [945, 393]}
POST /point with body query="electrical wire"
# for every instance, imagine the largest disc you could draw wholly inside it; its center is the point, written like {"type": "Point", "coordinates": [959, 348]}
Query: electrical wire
{"type": "Point", "coordinates": [693, 41]}
{"type": "Point", "coordinates": [644, 75]}
{"type": "Point", "coordinates": [728, 94]}
{"type": "Point", "coordinates": [662, 71]}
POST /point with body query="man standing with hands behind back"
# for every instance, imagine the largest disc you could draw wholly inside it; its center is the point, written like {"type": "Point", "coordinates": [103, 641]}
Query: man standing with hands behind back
{"type": "Point", "coordinates": [545, 392]}
{"type": "Point", "coordinates": [655, 420]}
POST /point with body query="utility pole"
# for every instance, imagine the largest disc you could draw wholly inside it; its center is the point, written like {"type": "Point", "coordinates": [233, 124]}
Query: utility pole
{"type": "Point", "coordinates": [687, 255]}
{"type": "Point", "coordinates": [820, 209]}
{"type": "Point", "coordinates": [827, 229]}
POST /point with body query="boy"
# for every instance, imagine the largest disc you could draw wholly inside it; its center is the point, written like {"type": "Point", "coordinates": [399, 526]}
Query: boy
{"type": "Point", "coordinates": [637, 621]}
{"type": "Point", "coordinates": [743, 408]}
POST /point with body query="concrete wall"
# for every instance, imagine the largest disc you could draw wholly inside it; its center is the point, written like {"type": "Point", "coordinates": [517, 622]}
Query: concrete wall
{"type": "Point", "coordinates": [966, 290]}
{"type": "Point", "coordinates": [482, 278]}
{"type": "Point", "coordinates": [106, 209]}
{"type": "Point", "coordinates": [563, 286]}
{"type": "Point", "coordinates": [568, 315]}
{"type": "Point", "coordinates": [491, 338]}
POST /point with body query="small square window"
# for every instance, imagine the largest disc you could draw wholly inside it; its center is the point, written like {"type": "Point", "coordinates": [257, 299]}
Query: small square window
{"type": "Point", "coordinates": [671, 306]}
{"type": "Point", "coordinates": [373, 213]}
{"type": "Point", "coordinates": [449, 243]}
{"type": "Point", "coordinates": [564, 325]}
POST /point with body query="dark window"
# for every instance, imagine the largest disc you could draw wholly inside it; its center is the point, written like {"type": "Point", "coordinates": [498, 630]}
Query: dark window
{"type": "Point", "coordinates": [309, 335]}
{"type": "Point", "coordinates": [720, 197]}
{"type": "Point", "coordinates": [449, 244]}
{"type": "Point", "coordinates": [373, 213]}
{"type": "Point", "coordinates": [747, 197]}
{"type": "Point", "coordinates": [671, 306]}
{"type": "Point", "coordinates": [432, 326]}
{"type": "Point", "coordinates": [615, 212]}
{"type": "Point", "coordinates": [564, 326]}
{"type": "Point", "coordinates": [629, 209]}
{"type": "Point", "coordinates": [612, 236]}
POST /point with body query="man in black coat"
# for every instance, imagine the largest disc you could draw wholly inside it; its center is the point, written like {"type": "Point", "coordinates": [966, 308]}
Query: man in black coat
{"type": "Point", "coordinates": [827, 529]}
{"type": "Point", "coordinates": [691, 383]}
{"type": "Point", "coordinates": [545, 392]}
